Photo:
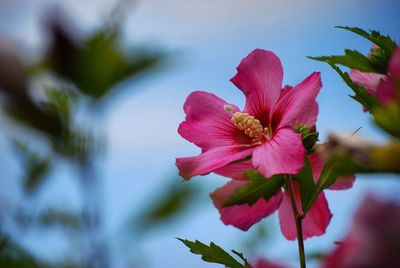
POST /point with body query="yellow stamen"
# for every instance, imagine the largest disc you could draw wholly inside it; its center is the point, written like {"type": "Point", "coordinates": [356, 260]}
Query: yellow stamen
{"type": "Point", "coordinates": [245, 122]}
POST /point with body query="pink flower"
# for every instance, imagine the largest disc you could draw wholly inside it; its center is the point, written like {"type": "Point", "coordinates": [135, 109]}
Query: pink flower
{"type": "Point", "coordinates": [387, 89]}
{"type": "Point", "coordinates": [263, 130]}
{"type": "Point", "coordinates": [263, 263]}
{"type": "Point", "coordinates": [245, 216]}
{"type": "Point", "coordinates": [383, 87]}
{"type": "Point", "coordinates": [373, 239]}
{"type": "Point", "coordinates": [369, 81]}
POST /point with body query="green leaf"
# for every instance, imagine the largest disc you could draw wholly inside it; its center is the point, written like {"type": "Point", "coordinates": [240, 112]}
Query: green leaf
{"type": "Point", "coordinates": [240, 255]}
{"type": "Point", "coordinates": [385, 42]}
{"type": "Point", "coordinates": [361, 94]}
{"type": "Point", "coordinates": [212, 253]}
{"type": "Point", "coordinates": [306, 182]}
{"type": "Point", "coordinates": [354, 60]}
{"type": "Point", "coordinates": [257, 187]}
{"type": "Point", "coordinates": [308, 137]}
{"type": "Point", "coordinates": [36, 166]}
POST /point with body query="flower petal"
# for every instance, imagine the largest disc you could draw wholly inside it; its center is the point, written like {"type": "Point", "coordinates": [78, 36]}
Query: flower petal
{"type": "Point", "coordinates": [236, 170]}
{"type": "Point", "coordinates": [259, 76]}
{"type": "Point", "coordinates": [298, 105]}
{"type": "Point", "coordinates": [263, 263]}
{"type": "Point", "coordinates": [394, 64]}
{"type": "Point", "coordinates": [283, 154]}
{"type": "Point", "coordinates": [369, 81]}
{"type": "Point", "coordinates": [207, 124]}
{"type": "Point", "coordinates": [211, 160]}
{"type": "Point", "coordinates": [243, 216]}
{"type": "Point", "coordinates": [315, 222]}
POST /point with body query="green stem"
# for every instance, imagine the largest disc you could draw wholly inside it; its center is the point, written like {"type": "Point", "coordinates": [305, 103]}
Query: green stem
{"type": "Point", "coordinates": [298, 219]}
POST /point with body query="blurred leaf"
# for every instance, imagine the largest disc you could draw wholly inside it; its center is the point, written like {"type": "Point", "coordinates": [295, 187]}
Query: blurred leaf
{"type": "Point", "coordinates": [354, 60]}
{"type": "Point", "coordinates": [98, 63]}
{"type": "Point", "coordinates": [385, 42]}
{"type": "Point", "coordinates": [36, 167]}
{"type": "Point", "coordinates": [306, 182]}
{"type": "Point", "coordinates": [13, 256]}
{"type": "Point", "coordinates": [257, 187]}
{"type": "Point", "coordinates": [53, 217]}
{"type": "Point", "coordinates": [60, 102]}
{"type": "Point", "coordinates": [212, 253]}
{"type": "Point", "coordinates": [173, 201]}
{"type": "Point", "coordinates": [388, 118]}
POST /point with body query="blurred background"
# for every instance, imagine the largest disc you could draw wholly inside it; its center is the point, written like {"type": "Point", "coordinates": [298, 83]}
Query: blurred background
{"type": "Point", "coordinates": [92, 94]}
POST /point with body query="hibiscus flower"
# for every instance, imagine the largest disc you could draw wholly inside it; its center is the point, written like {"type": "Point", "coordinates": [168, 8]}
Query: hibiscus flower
{"type": "Point", "coordinates": [244, 216]}
{"type": "Point", "coordinates": [263, 131]}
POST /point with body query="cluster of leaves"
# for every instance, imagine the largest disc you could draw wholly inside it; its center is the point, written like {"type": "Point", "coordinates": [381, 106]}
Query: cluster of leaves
{"type": "Point", "coordinates": [376, 62]}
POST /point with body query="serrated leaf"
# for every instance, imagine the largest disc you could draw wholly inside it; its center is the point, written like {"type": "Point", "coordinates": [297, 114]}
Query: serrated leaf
{"type": "Point", "coordinates": [212, 253]}
{"type": "Point", "coordinates": [240, 255]}
{"type": "Point", "coordinates": [385, 42]}
{"type": "Point", "coordinates": [361, 94]}
{"type": "Point", "coordinates": [354, 60]}
{"type": "Point", "coordinates": [306, 182]}
{"type": "Point", "coordinates": [257, 187]}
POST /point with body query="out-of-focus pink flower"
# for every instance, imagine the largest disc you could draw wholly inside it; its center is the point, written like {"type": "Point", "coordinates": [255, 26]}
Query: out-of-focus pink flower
{"type": "Point", "coordinates": [245, 216]}
{"type": "Point", "coordinates": [373, 239]}
{"type": "Point", "coordinates": [263, 263]}
{"type": "Point", "coordinates": [387, 89]}
{"type": "Point", "coordinates": [381, 86]}
{"type": "Point", "coordinates": [370, 81]}
{"type": "Point", "coordinates": [263, 130]}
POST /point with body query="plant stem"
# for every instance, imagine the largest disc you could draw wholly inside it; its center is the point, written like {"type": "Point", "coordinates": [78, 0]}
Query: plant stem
{"type": "Point", "coordinates": [298, 219]}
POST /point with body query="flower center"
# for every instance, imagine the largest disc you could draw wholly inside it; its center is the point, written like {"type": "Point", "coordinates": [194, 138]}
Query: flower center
{"type": "Point", "coordinates": [247, 123]}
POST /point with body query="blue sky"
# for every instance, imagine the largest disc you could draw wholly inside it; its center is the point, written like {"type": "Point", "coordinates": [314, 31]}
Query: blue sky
{"type": "Point", "coordinates": [206, 40]}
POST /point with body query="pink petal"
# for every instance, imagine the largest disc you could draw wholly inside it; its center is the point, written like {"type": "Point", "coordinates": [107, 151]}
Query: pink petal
{"type": "Point", "coordinates": [236, 170]}
{"type": "Point", "coordinates": [317, 164]}
{"type": "Point", "coordinates": [211, 160]}
{"type": "Point", "coordinates": [387, 91]}
{"type": "Point", "coordinates": [369, 81]}
{"type": "Point", "coordinates": [243, 216]}
{"type": "Point", "coordinates": [263, 263]}
{"type": "Point", "coordinates": [259, 76]}
{"type": "Point", "coordinates": [394, 64]}
{"type": "Point", "coordinates": [207, 124]}
{"type": "Point", "coordinates": [315, 222]}
{"type": "Point", "coordinates": [343, 183]}
{"type": "Point", "coordinates": [283, 154]}
{"type": "Point", "coordinates": [298, 105]}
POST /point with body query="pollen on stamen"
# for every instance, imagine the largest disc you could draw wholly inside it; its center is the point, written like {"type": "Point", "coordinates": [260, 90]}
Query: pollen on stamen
{"type": "Point", "coordinates": [248, 124]}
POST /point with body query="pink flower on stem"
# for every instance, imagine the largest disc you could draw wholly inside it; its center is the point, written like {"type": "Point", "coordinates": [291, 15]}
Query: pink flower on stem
{"type": "Point", "coordinates": [263, 130]}
{"type": "Point", "coordinates": [245, 216]}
